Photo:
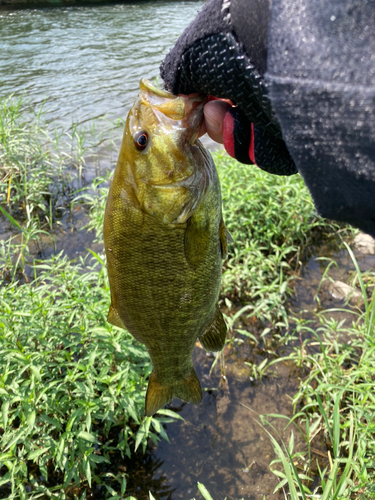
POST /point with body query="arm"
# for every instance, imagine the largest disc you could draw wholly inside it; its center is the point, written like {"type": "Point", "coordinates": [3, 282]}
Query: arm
{"type": "Point", "coordinates": [302, 77]}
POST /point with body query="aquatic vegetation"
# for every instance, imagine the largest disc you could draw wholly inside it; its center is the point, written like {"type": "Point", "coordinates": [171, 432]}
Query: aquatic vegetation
{"type": "Point", "coordinates": [42, 167]}
{"type": "Point", "coordinates": [36, 176]}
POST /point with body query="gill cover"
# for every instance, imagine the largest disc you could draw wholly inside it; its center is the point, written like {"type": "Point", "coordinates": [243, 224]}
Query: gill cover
{"type": "Point", "coordinates": [171, 175]}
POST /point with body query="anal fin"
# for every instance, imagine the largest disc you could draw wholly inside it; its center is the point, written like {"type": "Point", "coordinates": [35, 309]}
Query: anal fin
{"type": "Point", "coordinates": [213, 338]}
{"type": "Point", "coordinates": [114, 318]}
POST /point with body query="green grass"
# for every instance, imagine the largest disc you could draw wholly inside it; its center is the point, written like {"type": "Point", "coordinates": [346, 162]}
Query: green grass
{"type": "Point", "coordinates": [37, 169]}
{"type": "Point", "coordinates": [72, 386]}
{"type": "Point", "coordinates": [334, 408]}
{"type": "Point", "coordinates": [41, 168]}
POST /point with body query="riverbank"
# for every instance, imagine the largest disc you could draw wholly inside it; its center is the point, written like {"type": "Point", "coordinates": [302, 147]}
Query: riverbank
{"type": "Point", "coordinates": [72, 386]}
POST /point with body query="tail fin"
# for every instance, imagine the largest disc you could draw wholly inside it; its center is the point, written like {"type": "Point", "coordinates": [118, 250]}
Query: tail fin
{"type": "Point", "coordinates": [158, 395]}
{"type": "Point", "coordinates": [189, 389]}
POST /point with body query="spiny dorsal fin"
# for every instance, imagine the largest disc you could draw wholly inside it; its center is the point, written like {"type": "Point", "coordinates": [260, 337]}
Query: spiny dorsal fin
{"type": "Point", "coordinates": [213, 338]}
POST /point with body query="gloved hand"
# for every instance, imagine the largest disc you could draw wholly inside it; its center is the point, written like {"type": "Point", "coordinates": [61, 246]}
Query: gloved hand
{"type": "Point", "coordinates": [314, 62]}
{"type": "Point", "coordinates": [223, 53]}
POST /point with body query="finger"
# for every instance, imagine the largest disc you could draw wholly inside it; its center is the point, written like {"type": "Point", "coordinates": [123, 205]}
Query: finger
{"type": "Point", "coordinates": [214, 112]}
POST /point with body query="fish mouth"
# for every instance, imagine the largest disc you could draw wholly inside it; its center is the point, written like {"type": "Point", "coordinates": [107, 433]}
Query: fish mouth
{"type": "Point", "coordinates": [186, 111]}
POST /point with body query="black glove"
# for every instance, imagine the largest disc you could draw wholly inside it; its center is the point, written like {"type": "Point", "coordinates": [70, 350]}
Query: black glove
{"type": "Point", "coordinates": [313, 61]}
{"type": "Point", "coordinates": [212, 57]}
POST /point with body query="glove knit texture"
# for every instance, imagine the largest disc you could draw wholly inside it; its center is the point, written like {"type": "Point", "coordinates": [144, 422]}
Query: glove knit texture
{"type": "Point", "coordinates": [321, 77]}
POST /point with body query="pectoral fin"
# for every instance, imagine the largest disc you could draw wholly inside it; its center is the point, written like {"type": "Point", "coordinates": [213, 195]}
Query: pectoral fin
{"type": "Point", "coordinates": [213, 338]}
{"type": "Point", "coordinates": [114, 318]}
{"type": "Point", "coordinates": [196, 242]}
{"type": "Point", "coordinates": [225, 238]}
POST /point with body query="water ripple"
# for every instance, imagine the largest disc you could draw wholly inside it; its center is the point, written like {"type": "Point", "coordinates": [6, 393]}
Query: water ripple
{"type": "Point", "coordinates": [88, 60]}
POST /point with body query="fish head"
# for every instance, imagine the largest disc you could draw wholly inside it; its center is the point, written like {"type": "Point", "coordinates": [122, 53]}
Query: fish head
{"type": "Point", "coordinates": [159, 148]}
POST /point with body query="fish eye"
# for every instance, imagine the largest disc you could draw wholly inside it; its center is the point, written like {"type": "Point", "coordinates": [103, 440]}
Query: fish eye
{"type": "Point", "coordinates": [141, 140]}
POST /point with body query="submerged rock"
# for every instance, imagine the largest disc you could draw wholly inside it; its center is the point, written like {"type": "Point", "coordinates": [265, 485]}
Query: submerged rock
{"type": "Point", "coordinates": [342, 291]}
{"type": "Point", "coordinates": [364, 243]}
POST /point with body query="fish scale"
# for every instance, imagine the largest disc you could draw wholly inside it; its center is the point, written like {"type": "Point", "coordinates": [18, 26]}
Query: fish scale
{"type": "Point", "coordinates": [165, 240]}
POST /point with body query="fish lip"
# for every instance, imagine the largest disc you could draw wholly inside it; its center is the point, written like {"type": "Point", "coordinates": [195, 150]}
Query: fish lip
{"type": "Point", "coordinates": [196, 99]}
{"type": "Point", "coordinates": [145, 84]}
{"type": "Point", "coordinates": [192, 107]}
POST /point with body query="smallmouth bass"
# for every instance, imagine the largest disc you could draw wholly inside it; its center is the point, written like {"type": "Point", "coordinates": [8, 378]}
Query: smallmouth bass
{"type": "Point", "coordinates": [165, 239]}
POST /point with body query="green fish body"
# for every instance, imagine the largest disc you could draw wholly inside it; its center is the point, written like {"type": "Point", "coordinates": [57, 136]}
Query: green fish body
{"type": "Point", "coordinates": [165, 240]}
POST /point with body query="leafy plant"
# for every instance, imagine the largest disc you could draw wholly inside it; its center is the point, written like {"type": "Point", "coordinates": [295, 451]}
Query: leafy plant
{"type": "Point", "coordinates": [72, 387]}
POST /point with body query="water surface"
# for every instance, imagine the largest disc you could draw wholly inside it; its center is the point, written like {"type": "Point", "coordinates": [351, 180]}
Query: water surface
{"type": "Point", "coordinates": [87, 61]}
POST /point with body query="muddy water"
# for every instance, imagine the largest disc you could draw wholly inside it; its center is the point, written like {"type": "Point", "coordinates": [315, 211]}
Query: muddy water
{"type": "Point", "coordinates": [220, 443]}
{"type": "Point", "coordinates": [310, 285]}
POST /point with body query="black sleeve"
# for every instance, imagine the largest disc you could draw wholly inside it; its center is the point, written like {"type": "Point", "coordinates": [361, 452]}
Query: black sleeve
{"type": "Point", "coordinates": [321, 81]}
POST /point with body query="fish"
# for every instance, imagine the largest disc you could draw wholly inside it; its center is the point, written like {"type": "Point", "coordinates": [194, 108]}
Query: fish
{"type": "Point", "coordinates": [165, 241]}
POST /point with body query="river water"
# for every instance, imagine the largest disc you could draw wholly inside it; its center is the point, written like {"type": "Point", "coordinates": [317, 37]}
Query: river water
{"type": "Point", "coordinates": [87, 61]}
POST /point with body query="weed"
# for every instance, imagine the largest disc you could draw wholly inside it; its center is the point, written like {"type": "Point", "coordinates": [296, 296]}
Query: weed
{"type": "Point", "coordinates": [41, 168]}
{"type": "Point", "coordinates": [335, 408]}
{"type": "Point", "coordinates": [269, 218]}
{"type": "Point", "coordinates": [34, 174]}
{"type": "Point", "coordinates": [72, 387]}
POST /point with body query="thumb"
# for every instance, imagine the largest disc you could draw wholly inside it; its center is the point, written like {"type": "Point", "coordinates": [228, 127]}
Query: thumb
{"type": "Point", "coordinates": [214, 113]}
